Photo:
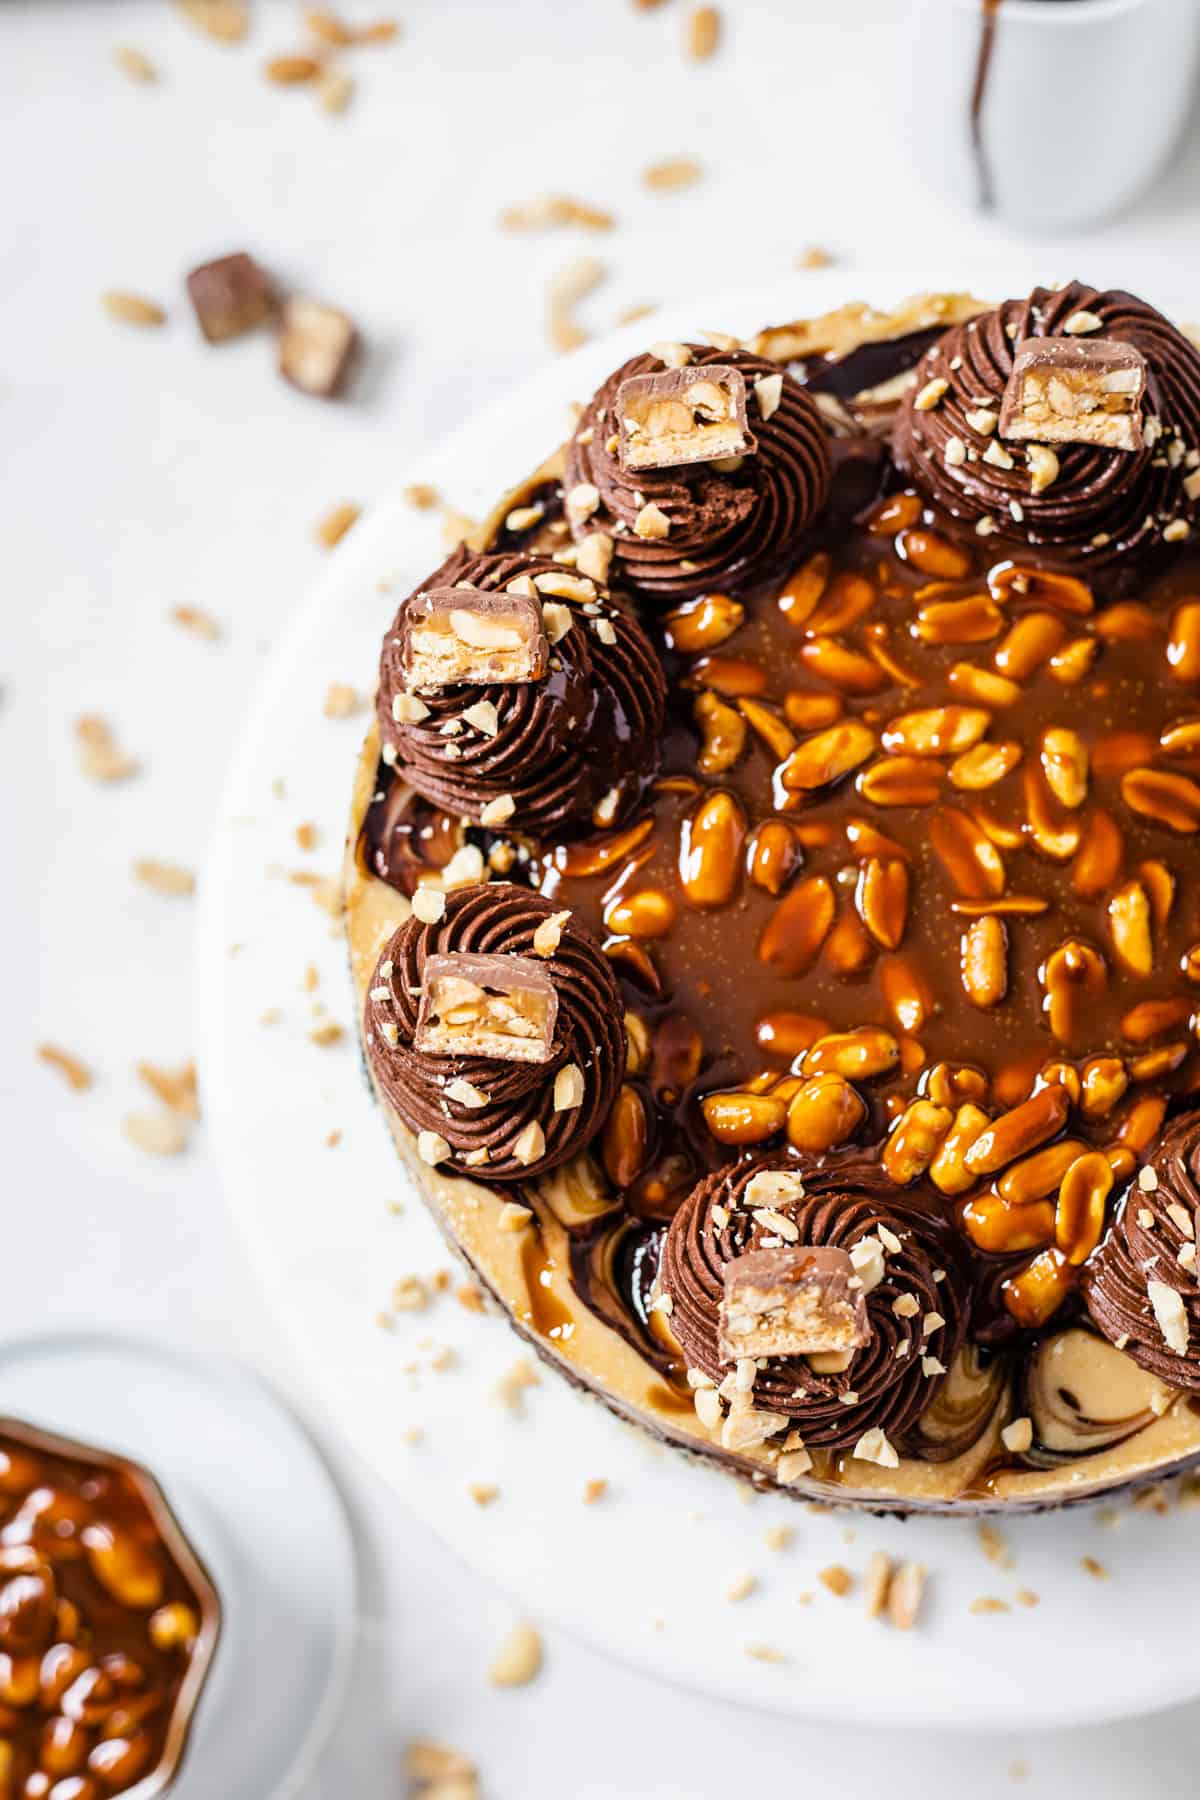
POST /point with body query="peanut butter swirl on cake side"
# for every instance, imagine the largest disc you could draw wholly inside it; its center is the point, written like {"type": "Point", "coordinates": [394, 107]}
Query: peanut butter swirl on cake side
{"type": "Point", "coordinates": [838, 698]}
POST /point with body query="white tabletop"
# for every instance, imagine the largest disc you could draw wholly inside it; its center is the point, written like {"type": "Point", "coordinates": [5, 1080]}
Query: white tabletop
{"type": "Point", "coordinates": [142, 471]}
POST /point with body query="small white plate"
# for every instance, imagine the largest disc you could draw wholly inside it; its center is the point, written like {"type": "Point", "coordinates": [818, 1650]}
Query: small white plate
{"type": "Point", "coordinates": [644, 1574]}
{"type": "Point", "coordinates": [258, 1503]}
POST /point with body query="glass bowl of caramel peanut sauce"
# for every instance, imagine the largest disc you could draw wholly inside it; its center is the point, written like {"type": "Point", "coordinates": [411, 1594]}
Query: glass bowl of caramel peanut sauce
{"type": "Point", "coordinates": [108, 1624]}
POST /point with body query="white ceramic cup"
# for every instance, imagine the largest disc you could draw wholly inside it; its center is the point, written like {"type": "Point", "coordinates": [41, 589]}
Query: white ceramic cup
{"type": "Point", "coordinates": [1080, 104]}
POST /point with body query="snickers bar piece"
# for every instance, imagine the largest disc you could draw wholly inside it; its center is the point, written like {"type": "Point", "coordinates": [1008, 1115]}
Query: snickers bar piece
{"type": "Point", "coordinates": [792, 1302]}
{"type": "Point", "coordinates": [684, 415]}
{"type": "Point", "coordinates": [316, 347]}
{"type": "Point", "coordinates": [230, 296]}
{"type": "Point", "coordinates": [1070, 390]}
{"type": "Point", "coordinates": [468, 635]}
{"type": "Point", "coordinates": [501, 1007]}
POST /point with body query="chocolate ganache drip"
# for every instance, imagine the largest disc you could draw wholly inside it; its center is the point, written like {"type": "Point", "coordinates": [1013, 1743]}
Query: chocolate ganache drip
{"type": "Point", "coordinates": [553, 744]}
{"type": "Point", "coordinates": [1141, 1285]}
{"type": "Point", "coordinates": [734, 519]}
{"type": "Point", "coordinates": [916, 1310]}
{"type": "Point", "coordinates": [1077, 502]}
{"type": "Point", "coordinates": [533, 1084]}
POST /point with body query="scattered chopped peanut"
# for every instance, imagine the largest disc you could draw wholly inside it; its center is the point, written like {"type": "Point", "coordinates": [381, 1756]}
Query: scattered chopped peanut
{"type": "Point", "coordinates": [519, 1659]}
{"type": "Point", "coordinates": [342, 701]}
{"type": "Point", "coordinates": [100, 758]}
{"type": "Point", "coordinates": [165, 878]}
{"type": "Point", "coordinates": [75, 1073]}
{"type": "Point", "coordinates": [176, 1088]}
{"type": "Point", "coordinates": [702, 33]}
{"type": "Point", "coordinates": [132, 309]}
{"type": "Point", "coordinates": [135, 64]}
{"type": "Point", "coordinates": [672, 173]}
{"type": "Point", "coordinates": [336, 523]}
{"type": "Point", "coordinates": [192, 619]}
{"type": "Point", "coordinates": [160, 1134]}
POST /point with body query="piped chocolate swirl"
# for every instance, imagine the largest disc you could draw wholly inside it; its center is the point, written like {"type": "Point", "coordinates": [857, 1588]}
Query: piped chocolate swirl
{"type": "Point", "coordinates": [513, 692]}
{"type": "Point", "coordinates": [678, 529]}
{"type": "Point", "coordinates": [1141, 1286]}
{"type": "Point", "coordinates": [496, 1033]}
{"type": "Point", "coordinates": [904, 1260]}
{"type": "Point", "coordinates": [1067, 423]}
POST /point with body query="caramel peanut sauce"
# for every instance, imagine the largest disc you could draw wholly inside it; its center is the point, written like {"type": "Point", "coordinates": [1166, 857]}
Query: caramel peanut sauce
{"type": "Point", "coordinates": [108, 1624]}
{"type": "Point", "coordinates": [899, 895]}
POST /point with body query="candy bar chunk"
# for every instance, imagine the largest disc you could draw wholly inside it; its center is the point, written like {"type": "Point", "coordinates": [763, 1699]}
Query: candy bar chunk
{"type": "Point", "coordinates": [230, 296]}
{"type": "Point", "coordinates": [1072, 390]}
{"type": "Point", "coordinates": [502, 1007]}
{"type": "Point", "coordinates": [465, 634]}
{"type": "Point", "coordinates": [316, 347]}
{"type": "Point", "coordinates": [791, 1302]}
{"type": "Point", "coordinates": [690, 415]}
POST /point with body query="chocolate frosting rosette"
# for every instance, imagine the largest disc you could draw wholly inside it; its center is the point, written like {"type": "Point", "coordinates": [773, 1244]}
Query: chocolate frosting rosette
{"type": "Point", "coordinates": [1141, 1285]}
{"type": "Point", "coordinates": [893, 1260]}
{"type": "Point", "coordinates": [496, 1032]}
{"type": "Point", "coordinates": [737, 490]}
{"type": "Point", "coordinates": [1067, 423]}
{"type": "Point", "coordinates": [564, 712]}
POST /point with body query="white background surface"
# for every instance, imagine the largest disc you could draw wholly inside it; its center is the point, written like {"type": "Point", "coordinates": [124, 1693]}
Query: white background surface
{"type": "Point", "coordinates": [141, 471]}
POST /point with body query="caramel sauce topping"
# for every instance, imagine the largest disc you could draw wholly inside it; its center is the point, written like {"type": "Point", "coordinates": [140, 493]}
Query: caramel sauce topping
{"type": "Point", "coordinates": [98, 1627]}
